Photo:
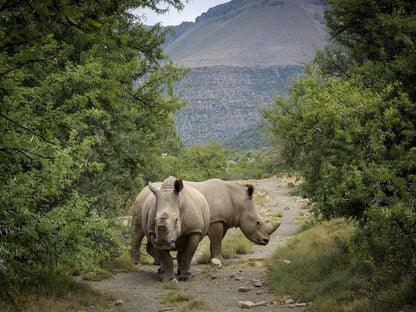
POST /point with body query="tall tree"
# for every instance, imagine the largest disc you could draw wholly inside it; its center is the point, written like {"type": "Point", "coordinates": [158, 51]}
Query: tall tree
{"type": "Point", "coordinates": [378, 37]}
{"type": "Point", "coordinates": [86, 95]}
{"type": "Point", "coordinates": [349, 128]}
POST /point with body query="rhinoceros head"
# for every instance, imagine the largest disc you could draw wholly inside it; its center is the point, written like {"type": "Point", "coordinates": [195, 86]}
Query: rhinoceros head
{"type": "Point", "coordinates": [254, 227]}
{"type": "Point", "coordinates": [167, 221]}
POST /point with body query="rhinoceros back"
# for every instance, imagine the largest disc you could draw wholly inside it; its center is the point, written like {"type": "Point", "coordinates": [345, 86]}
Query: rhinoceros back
{"type": "Point", "coordinates": [195, 212]}
{"type": "Point", "coordinates": [226, 200]}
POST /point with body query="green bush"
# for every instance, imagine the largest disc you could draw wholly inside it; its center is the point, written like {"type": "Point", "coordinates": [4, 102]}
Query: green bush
{"type": "Point", "coordinates": [200, 163]}
{"type": "Point", "coordinates": [85, 107]}
{"type": "Point", "coordinates": [348, 128]}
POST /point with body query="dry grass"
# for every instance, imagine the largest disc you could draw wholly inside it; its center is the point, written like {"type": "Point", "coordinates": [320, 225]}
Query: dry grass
{"type": "Point", "coordinates": [173, 297]}
{"type": "Point", "coordinates": [233, 245]}
{"type": "Point", "coordinates": [318, 269]}
{"type": "Point", "coordinates": [66, 295]}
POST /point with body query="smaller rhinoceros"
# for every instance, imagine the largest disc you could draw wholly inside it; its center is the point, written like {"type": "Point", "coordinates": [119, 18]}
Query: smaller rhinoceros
{"type": "Point", "coordinates": [175, 218]}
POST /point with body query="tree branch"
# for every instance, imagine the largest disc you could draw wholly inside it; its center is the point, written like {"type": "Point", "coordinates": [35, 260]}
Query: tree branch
{"type": "Point", "coordinates": [21, 65]}
{"type": "Point", "coordinates": [24, 151]}
{"type": "Point", "coordinates": [27, 129]}
{"type": "Point", "coordinates": [139, 99]}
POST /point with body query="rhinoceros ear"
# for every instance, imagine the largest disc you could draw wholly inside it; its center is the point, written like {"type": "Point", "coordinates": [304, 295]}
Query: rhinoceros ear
{"type": "Point", "coordinates": [178, 186]}
{"type": "Point", "coordinates": [153, 188]}
{"type": "Point", "coordinates": [250, 189]}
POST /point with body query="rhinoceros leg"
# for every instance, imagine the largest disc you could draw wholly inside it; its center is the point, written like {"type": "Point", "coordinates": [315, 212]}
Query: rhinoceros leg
{"type": "Point", "coordinates": [216, 232]}
{"type": "Point", "coordinates": [166, 265]}
{"type": "Point", "coordinates": [184, 257]}
{"type": "Point", "coordinates": [135, 246]}
{"type": "Point", "coordinates": [151, 251]}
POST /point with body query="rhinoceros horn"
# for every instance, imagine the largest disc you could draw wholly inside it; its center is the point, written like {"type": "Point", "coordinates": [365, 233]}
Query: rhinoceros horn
{"type": "Point", "coordinates": [272, 226]}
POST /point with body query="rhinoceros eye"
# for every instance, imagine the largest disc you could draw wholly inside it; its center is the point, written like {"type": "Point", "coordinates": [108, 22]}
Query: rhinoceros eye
{"type": "Point", "coordinates": [258, 222]}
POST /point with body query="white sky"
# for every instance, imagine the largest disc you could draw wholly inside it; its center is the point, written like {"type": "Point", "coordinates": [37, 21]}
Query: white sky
{"type": "Point", "coordinates": [193, 9]}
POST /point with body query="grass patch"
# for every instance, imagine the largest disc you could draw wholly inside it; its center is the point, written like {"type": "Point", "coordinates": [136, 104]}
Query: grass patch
{"type": "Point", "coordinates": [261, 196]}
{"type": "Point", "coordinates": [110, 266]}
{"type": "Point", "coordinates": [97, 275]}
{"type": "Point", "coordinates": [233, 245]}
{"type": "Point", "coordinates": [208, 271]}
{"type": "Point", "coordinates": [145, 258]}
{"type": "Point", "coordinates": [122, 263]}
{"type": "Point", "coordinates": [170, 286]}
{"type": "Point", "coordinates": [325, 268]}
{"type": "Point", "coordinates": [59, 294]}
{"type": "Point", "coordinates": [204, 257]}
{"type": "Point", "coordinates": [318, 260]}
{"type": "Point", "coordinates": [174, 298]}
{"type": "Point", "coordinates": [184, 303]}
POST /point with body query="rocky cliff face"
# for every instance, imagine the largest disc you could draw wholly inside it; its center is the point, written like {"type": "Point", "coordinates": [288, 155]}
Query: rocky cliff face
{"type": "Point", "coordinates": [242, 54]}
{"type": "Point", "coordinates": [220, 10]}
{"type": "Point", "coordinates": [224, 101]}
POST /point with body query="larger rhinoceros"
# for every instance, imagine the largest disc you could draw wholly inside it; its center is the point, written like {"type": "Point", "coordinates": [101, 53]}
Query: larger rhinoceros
{"type": "Point", "coordinates": [231, 205]}
{"type": "Point", "coordinates": [175, 217]}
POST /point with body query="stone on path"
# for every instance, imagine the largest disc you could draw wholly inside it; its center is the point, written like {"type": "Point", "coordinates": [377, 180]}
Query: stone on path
{"type": "Point", "coordinates": [216, 262]}
{"type": "Point", "coordinates": [261, 304]}
{"type": "Point", "coordinates": [119, 303]}
{"type": "Point", "coordinates": [244, 289]}
{"type": "Point", "coordinates": [246, 304]}
{"type": "Point", "coordinates": [251, 304]}
{"type": "Point", "coordinates": [258, 284]}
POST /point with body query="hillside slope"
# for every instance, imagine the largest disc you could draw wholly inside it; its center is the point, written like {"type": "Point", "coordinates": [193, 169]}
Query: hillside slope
{"type": "Point", "coordinates": [242, 53]}
{"type": "Point", "coordinates": [223, 101]}
{"type": "Point", "coordinates": [251, 33]}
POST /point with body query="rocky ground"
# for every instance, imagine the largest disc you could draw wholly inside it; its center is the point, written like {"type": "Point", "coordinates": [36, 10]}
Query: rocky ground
{"type": "Point", "coordinates": [239, 284]}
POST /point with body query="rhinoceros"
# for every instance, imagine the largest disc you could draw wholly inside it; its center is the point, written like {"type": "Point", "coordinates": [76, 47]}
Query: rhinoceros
{"type": "Point", "coordinates": [231, 205]}
{"type": "Point", "coordinates": [175, 217]}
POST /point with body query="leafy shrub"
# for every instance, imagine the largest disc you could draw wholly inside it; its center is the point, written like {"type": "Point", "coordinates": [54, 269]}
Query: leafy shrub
{"type": "Point", "coordinates": [353, 147]}
{"type": "Point", "coordinates": [85, 106]}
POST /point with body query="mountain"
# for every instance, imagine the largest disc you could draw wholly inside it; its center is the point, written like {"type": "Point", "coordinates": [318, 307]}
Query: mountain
{"type": "Point", "coordinates": [251, 33]}
{"type": "Point", "coordinates": [242, 53]}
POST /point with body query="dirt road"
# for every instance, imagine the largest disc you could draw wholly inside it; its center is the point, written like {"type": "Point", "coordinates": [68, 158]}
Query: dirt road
{"type": "Point", "coordinates": [141, 290]}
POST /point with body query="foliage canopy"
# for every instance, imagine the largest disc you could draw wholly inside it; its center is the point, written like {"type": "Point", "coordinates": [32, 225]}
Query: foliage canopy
{"type": "Point", "coordinates": [86, 102]}
{"type": "Point", "coordinates": [348, 128]}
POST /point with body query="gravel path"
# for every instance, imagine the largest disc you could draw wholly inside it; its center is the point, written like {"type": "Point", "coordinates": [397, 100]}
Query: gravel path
{"type": "Point", "coordinates": [219, 288]}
